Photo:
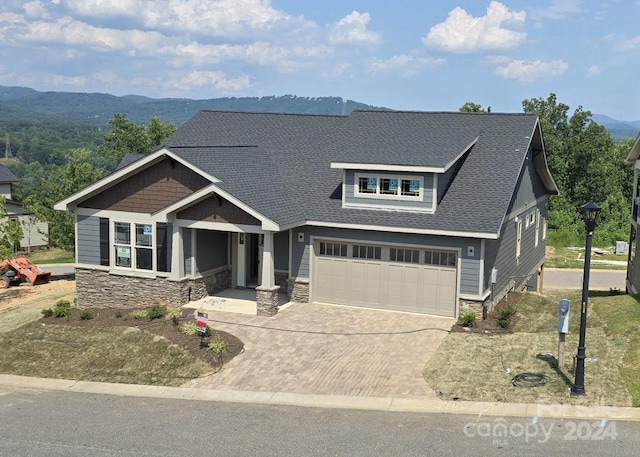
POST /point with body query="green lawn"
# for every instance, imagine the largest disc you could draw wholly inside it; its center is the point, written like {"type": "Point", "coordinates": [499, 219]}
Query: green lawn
{"type": "Point", "coordinates": [53, 255]}
{"type": "Point", "coordinates": [479, 367]}
{"type": "Point", "coordinates": [574, 258]}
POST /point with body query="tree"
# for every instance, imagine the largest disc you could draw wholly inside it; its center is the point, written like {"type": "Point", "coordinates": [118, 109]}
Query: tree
{"type": "Point", "coordinates": [126, 137]}
{"type": "Point", "coordinates": [587, 165]}
{"type": "Point", "coordinates": [10, 232]}
{"type": "Point", "coordinates": [471, 107]}
{"type": "Point", "coordinates": [62, 182]}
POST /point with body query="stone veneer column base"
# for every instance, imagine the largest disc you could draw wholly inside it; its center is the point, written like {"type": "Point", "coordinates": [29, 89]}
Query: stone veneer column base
{"type": "Point", "coordinates": [267, 300]}
{"type": "Point", "coordinates": [298, 290]}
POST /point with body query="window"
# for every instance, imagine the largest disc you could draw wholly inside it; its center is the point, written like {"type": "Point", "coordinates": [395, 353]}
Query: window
{"type": "Point", "coordinates": [389, 187]}
{"type": "Point", "coordinates": [133, 251]}
{"type": "Point", "coordinates": [404, 255]}
{"type": "Point", "coordinates": [333, 249]}
{"type": "Point", "coordinates": [442, 258]}
{"type": "Point", "coordinates": [366, 252]}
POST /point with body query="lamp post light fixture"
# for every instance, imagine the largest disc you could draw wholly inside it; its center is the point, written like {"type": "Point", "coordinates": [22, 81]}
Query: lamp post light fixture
{"type": "Point", "coordinates": [589, 212]}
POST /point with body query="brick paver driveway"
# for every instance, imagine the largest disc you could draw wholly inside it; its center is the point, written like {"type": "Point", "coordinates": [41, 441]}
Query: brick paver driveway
{"type": "Point", "coordinates": [329, 350]}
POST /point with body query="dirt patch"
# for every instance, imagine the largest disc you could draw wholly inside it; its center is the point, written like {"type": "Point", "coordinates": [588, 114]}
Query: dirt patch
{"type": "Point", "coordinates": [115, 317]}
{"type": "Point", "coordinates": [25, 292]}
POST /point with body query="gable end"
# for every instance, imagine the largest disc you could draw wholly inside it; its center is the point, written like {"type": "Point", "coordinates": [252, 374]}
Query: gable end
{"type": "Point", "coordinates": [150, 190]}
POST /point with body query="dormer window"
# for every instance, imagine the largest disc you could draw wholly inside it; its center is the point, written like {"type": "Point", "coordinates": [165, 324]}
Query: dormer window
{"type": "Point", "coordinates": [384, 186]}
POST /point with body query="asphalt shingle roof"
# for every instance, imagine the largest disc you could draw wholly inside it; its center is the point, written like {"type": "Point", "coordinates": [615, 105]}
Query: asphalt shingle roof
{"type": "Point", "coordinates": [279, 164]}
{"type": "Point", "coordinates": [6, 175]}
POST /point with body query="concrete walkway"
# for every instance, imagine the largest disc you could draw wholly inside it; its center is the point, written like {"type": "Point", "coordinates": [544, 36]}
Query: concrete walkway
{"type": "Point", "coordinates": [330, 350]}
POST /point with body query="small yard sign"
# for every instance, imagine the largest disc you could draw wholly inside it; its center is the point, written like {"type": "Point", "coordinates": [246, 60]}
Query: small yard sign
{"type": "Point", "coordinates": [201, 326]}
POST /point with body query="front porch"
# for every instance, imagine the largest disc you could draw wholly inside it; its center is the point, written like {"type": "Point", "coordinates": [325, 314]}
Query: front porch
{"type": "Point", "coordinates": [239, 300]}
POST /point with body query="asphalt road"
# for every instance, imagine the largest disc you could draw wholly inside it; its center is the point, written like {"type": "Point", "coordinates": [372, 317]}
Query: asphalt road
{"type": "Point", "coordinates": [562, 278]}
{"type": "Point", "coordinates": [51, 424]}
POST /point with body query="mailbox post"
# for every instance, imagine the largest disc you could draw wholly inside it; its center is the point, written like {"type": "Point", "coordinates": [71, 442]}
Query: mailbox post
{"type": "Point", "coordinates": [563, 328]}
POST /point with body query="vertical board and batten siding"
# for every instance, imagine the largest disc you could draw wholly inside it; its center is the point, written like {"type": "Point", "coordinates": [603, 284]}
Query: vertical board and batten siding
{"type": "Point", "coordinates": [427, 200]}
{"type": "Point", "coordinates": [470, 265]}
{"type": "Point", "coordinates": [212, 248]}
{"type": "Point", "coordinates": [88, 242]}
{"type": "Point", "coordinates": [281, 251]}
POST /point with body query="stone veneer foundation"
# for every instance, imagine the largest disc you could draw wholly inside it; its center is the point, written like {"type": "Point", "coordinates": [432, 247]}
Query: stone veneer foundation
{"type": "Point", "coordinates": [102, 289]}
{"type": "Point", "coordinates": [267, 300]}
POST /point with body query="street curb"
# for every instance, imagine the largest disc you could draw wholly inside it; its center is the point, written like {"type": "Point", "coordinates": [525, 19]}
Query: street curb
{"type": "Point", "coordinates": [394, 404]}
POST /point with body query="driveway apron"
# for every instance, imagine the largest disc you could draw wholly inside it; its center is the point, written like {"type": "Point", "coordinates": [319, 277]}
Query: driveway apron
{"type": "Point", "coordinates": [329, 350]}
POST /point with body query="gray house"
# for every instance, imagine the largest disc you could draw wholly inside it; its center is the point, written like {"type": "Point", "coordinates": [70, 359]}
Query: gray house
{"type": "Point", "coordinates": [633, 267]}
{"type": "Point", "coordinates": [408, 211]}
{"type": "Point", "coordinates": [35, 232]}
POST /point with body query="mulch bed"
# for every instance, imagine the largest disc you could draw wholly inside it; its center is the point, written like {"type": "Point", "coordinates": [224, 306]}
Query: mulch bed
{"type": "Point", "coordinates": [490, 325]}
{"type": "Point", "coordinates": [116, 317]}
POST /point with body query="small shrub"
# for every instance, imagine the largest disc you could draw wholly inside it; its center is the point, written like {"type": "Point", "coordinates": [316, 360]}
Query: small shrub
{"type": "Point", "coordinates": [140, 315]}
{"type": "Point", "coordinates": [188, 328]}
{"type": "Point", "coordinates": [47, 312]}
{"type": "Point", "coordinates": [156, 312]}
{"type": "Point", "coordinates": [174, 315]}
{"type": "Point", "coordinates": [469, 319]}
{"type": "Point", "coordinates": [217, 345]}
{"type": "Point", "coordinates": [505, 316]}
{"type": "Point", "coordinates": [62, 308]}
{"type": "Point", "coordinates": [85, 316]}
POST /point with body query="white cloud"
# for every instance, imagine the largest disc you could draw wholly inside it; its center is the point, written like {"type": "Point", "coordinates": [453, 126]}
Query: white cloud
{"type": "Point", "coordinates": [594, 70]}
{"type": "Point", "coordinates": [35, 9]}
{"type": "Point", "coordinates": [463, 33]}
{"type": "Point", "coordinates": [221, 18]}
{"type": "Point", "coordinates": [70, 32]}
{"type": "Point", "coordinates": [529, 72]}
{"type": "Point", "coordinates": [200, 79]}
{"type": "Point", "coordinates": [559, 9]}
{"type": "Point", "coordinates": [404, 64]}
{"type": "Point", "coordinates": [626, 44]}
{"type": "Point", "coordinates": [352, 29]}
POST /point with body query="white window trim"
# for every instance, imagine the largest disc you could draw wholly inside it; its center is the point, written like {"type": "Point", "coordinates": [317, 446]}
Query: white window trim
{"type": "Point", "coordinates": [518, 239]}
{"type": "Point", "coordinates": [537, 235]}
{"type": "Point", "coordinates": [544, 228]}
{"type": "Point", "coordinates": [132, 245]}
{"type": "Point", "coordinates": [378, 195]}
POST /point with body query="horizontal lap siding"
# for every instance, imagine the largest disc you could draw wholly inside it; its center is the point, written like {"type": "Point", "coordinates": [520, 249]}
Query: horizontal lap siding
{"type": "Point", "coordinates": [88, 240]}
{"type": "Point", "coordinates": [426, 203]}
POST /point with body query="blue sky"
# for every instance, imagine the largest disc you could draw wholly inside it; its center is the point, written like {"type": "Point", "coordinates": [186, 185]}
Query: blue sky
{"type": "Point", "coordinates": [403, 54]}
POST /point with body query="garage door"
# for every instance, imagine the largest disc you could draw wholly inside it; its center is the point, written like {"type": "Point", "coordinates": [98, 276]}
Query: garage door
{"type": "Point", "coordinates": [385, 277]}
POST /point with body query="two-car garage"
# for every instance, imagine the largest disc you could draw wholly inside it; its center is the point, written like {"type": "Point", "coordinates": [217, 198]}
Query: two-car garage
{"type": "Point", "coordinates": [413, 279]}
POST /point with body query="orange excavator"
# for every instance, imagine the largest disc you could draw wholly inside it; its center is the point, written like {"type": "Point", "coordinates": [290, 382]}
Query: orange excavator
{"type": "Point", "coordinates": [15, 271]}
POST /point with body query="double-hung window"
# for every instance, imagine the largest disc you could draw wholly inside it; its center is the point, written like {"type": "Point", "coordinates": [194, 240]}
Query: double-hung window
{"type": "Point", "coordinates": [133, 244]}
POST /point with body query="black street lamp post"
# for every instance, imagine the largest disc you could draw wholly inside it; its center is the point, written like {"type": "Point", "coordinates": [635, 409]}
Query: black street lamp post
{"type": "Point", "coordinates": [589, 214]}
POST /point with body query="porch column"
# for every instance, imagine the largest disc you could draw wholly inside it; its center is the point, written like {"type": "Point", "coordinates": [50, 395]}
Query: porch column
{"type": "Point", "coordinates": [267, 291]}
{"type": "Point", "coordinates": [177, 252]}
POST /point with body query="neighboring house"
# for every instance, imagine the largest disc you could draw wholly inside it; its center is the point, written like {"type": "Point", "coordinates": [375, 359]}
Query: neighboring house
{"type": "Point", "coordinates": [406, 211]}
{"type": "Point", "coordinates": [633, 266]}
{"type": "Point", "coordinates": [35, 232]}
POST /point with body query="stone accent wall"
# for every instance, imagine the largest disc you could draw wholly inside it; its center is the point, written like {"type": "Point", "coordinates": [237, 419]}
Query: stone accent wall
{"type": "Point", "coordinates": [99, 288]}
{"type": "Point", "coordinates": [298, 290]}
{"type": "Point", "coordinates": [267, 300]}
